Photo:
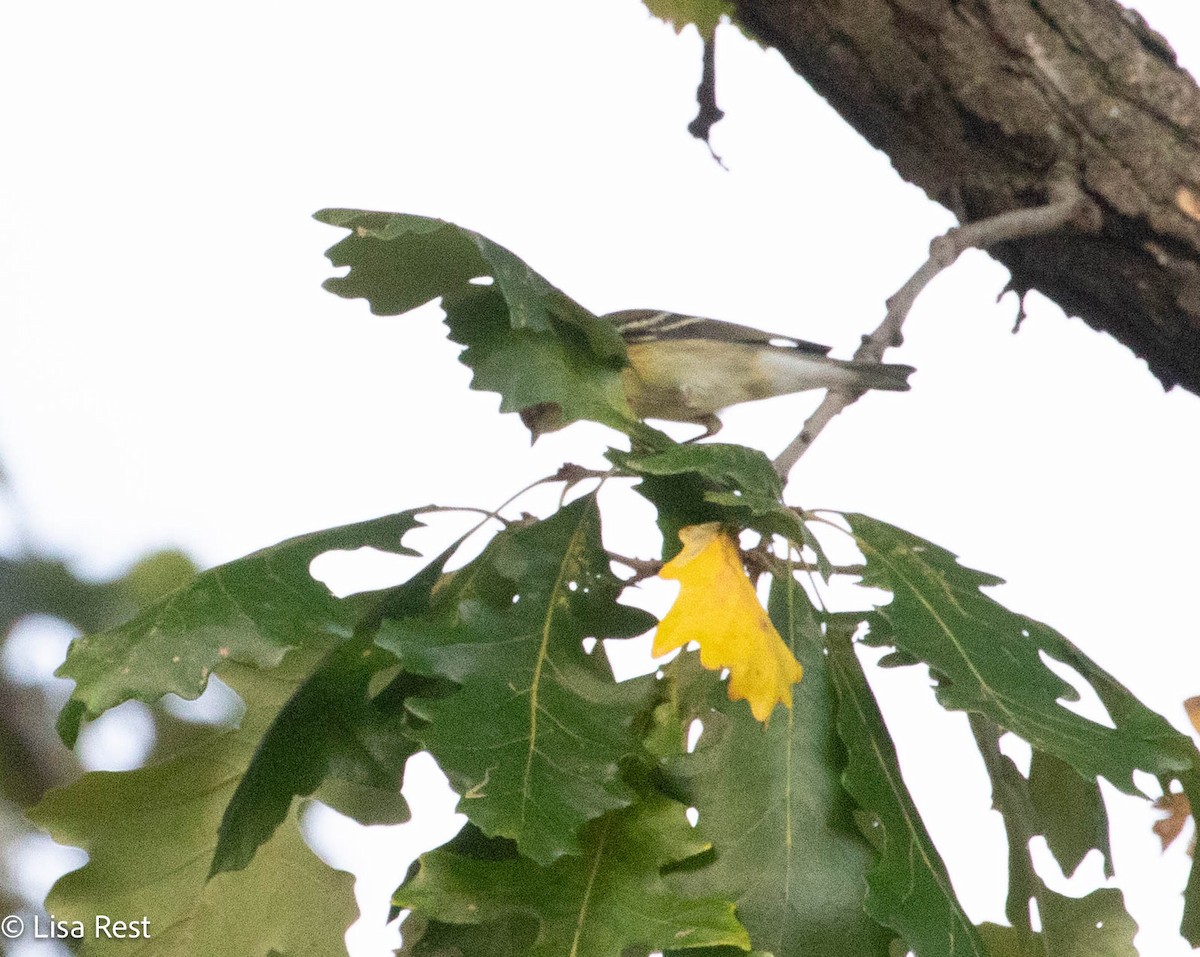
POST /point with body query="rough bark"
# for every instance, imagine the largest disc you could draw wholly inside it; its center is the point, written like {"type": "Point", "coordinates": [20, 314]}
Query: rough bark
{"type": "Point", "coordinates": [984, 103]}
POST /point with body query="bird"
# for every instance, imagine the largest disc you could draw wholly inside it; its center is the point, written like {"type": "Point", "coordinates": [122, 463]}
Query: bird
{"type": "Point", "coordinates": [685, 368]}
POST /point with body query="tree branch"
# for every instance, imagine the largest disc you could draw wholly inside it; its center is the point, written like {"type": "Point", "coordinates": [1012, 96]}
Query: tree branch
{"type": "Point", "coordinates": [979, 102]}
{"type": "Point", "coordinates": [1068, 206]}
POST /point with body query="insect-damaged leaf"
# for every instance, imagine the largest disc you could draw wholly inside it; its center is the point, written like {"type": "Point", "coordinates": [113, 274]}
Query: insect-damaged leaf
{"type": "Point", "coordinates": [787, 850]}
{"type": "Point", "coordinates": [524, 338]}
{"type": "Point", "coordinates": [250, 610]}
{"type": "Point", "coordinates": [533, 738]}
{"type": "Point", "coordinates": [989, 659]}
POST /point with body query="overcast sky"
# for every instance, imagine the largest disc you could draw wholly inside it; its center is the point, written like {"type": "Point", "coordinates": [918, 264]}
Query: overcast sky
{"type": "Point", "coordinates": [174, 374]}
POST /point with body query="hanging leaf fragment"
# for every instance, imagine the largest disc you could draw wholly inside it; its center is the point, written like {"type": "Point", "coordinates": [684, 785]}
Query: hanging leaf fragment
{"type": "Point", "coordinates": [718, 608]}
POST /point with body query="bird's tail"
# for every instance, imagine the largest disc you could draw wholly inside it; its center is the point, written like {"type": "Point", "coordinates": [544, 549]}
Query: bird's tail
{"type": "Point", "coordinates": [890, 378]}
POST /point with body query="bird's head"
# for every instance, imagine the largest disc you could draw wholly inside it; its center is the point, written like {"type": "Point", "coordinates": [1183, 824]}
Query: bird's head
{"type": "Point", "coordinates": [542, 418]}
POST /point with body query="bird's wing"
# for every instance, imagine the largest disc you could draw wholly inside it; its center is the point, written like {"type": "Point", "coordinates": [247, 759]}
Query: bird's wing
{"type": "Point", "coordinates": [645, 325]}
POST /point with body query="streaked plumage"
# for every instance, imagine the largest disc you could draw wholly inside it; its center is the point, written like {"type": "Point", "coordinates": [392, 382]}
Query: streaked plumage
{"type": "Point", "coordinates": [687, 368]}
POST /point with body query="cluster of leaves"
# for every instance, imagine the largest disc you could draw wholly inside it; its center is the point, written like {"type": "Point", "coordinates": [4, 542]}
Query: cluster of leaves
{"type": "Point", "coordinates": [802, 838]}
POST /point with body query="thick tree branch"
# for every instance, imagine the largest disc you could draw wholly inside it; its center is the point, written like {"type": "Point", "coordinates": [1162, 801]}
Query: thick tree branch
{"type": "Point", "coordinates": [982, 103]}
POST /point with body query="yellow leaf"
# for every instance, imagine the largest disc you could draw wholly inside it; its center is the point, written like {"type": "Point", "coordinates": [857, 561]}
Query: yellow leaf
{"type": "Point", "coordinates": [717, 608]}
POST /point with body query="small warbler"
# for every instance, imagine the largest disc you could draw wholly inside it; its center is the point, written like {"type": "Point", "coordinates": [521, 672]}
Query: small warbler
{"type": "Point", "coordinates": [687, 368]}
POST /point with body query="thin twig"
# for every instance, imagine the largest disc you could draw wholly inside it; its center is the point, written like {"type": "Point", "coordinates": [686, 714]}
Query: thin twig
{"type": "Point", "coordinates": [568, 473]}
{"type": "Point", "coordinates": [642, 567]}
{"type": "Point", "coordinates": [773, 563]}
{"type": "Point", "coordinates": [758, 559]}
{"type": "Point", "coordinates": [1068, 206]}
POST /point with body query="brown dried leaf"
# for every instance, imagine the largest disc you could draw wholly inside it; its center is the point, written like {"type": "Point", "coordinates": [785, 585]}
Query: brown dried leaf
{"type": "Point", "coordinates": [1178, 809]}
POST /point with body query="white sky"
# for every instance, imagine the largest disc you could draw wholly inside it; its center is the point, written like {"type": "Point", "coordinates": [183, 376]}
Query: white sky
{"type": "Point", "coordinates": [175, 375]}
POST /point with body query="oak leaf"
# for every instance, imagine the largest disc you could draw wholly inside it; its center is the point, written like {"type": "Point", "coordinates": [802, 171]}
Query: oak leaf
{"type": "Point", "coordinates": [717, 607]}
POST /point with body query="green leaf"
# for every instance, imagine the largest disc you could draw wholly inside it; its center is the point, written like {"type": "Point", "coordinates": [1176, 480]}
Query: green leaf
{"type": "Point", "coordinates": [987, 659]}
{"type": "Point", "coordinates": [1190, 927]}
{"type": "Point", "coordinates": [787, 850]}
{"type": "Point", "coordinates": [691, 484]}
{"type": "Point", "coordinates": [1093, 926]}
{"type": "Point", "coordinates": [39, 585]}
{"type": "Point", "coordinates": [252, 610]}
{"type": "Point", "coordinates": [329, 727]}
{"type": "Point", "coordinates": [525, 339]}
{"type": "Point", "coordinates": [705, 14]}
{"type": "Point", "coordinates": [612, 896]}
{"type": "Point", "coordinates": [1011, 799]}
{"type": "Point", "coordinates": [332, 735]}
{"type": "Point", "coordinates": [1070, 812]}
{"type": "Point", "coordinates": [908, 887]}
{"type": "Point", "coordinates": [150, 835]}
{"type": "Point", "coordinates": [534, 737]}
{"type": "Point", "coordinates": [432, 938]}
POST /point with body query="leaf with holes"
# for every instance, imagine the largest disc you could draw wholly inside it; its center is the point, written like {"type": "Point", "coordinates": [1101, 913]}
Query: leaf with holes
{"type": "Point", "coordinates": [609, 898]}
{"type": "Point", "coordinates": [524, 338]}
{"type": "Point", "coordinates": [251, 610]}
{"type": "Point", "coordinates": [1070, 811]}
{"type": "Point", "coordinates": [533, 738]}
{"type": "Point", "coordinates": [788, 851]}
{"type": "Point", "coordinates": [334, 734]}
{"type": "Point", "coordinates": [988, 659]}
{"type": "Point", "coordinates": [1093, 926]}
